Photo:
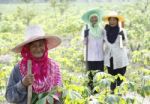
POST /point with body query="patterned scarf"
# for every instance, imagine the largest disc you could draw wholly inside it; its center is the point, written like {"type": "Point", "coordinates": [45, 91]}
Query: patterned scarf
{"type": "Point", "coordinates": [44, 70]}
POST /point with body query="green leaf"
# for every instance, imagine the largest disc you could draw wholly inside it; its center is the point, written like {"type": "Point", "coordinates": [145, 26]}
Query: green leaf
{"type": "Point", "coordinates": [112, 99]}
{"type": "Point", "coordinates": [50, 99]}
{"type": "Point", "coordinates": [42, 95]}
{"type": "Point", "coordinates": [130, 100]}
{"type": "Point", "coordinates": [42, 100]}
{"type": "Point", "coordinates": [75, 95]}
{"type": "Point", "coordinates": [144, 91]}
{"type": "Point", "coordinates": [34, 98]}
{"type": "Point", "coordinates": [104, 83]}
{"type": "Point", "coordinates": [65, 93]}
{"type": "Point", "coordinates": [100, 75]}
{"type": "Point", "coordinates": [53, 90]}
{"type": "Point", "coordinates": [132, 86]}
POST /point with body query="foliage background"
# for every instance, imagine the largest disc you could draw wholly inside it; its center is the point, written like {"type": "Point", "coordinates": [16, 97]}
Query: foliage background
{"type": "Point", "coordinates": [63, 19]}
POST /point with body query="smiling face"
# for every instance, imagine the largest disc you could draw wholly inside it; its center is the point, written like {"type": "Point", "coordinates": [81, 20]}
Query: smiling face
{"type": "Point", "coordinates": [113, 21]}
{"type": "Point", "coordinates": [93, 20]}
{"type": "Point", "coordinates": [37, 48]}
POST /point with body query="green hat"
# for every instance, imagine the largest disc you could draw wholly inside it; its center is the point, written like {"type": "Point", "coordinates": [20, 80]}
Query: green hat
{"type": "Point", "coordinates": [87, 15]}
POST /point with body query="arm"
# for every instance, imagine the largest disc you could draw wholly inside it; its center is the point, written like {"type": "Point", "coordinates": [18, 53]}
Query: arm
{"type": "Point", "coordinates": [57, 76]}
{"type": "Point", "coordinates": [57, 82]}
{"type": "Point", "coordinates": [103, 36]}
{"type": "Point", "coordinates": [16, 92]}
{"type": "Point", "coordinates": [125, 41]}
{"type": "Point", "coordinates": [84, 34]}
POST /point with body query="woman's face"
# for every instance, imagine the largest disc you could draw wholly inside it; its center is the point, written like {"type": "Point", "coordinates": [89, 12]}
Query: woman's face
{"type": "Point", "coordinates": [94, 20]}
{"type": "Point", "coordinates": [113, 21]}
{"type": "Point", "coordinates": [37, 48]}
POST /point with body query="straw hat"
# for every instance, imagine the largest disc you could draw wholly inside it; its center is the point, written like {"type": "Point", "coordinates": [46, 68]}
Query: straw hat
{"type": "Point", "coordinates": [34, 33]}
{"type": "Point", "coordinates": [113, 14]}
{"type": "Point", "coordinates": [87, 15]}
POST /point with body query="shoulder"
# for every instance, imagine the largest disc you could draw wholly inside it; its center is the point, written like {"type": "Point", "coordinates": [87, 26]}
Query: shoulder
{"type": "Point", "coordinates": [15, 74]}
{"type": "Point", "coordinates": [54, 67]}
{"type": "Point", "coordinates": [85, 26]}
{"type": "Point", "coordinates": [106, 27]}
{"type": "Point", "coordinates": [53, 63]}
{"type": "Point", "coordinates": [16, 69]}
{"type": "Point", "coordinates": [103, 31]}
{"type": "Point", "coordinates": [122, 29]}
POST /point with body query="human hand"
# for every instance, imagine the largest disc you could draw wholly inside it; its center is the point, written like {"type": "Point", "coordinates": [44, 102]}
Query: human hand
{"type": "Point", "coordinates": [28, 80]}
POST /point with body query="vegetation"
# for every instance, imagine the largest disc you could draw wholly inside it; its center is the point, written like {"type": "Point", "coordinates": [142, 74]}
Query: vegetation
{"type": "Point", "coordinates": [64, 21]}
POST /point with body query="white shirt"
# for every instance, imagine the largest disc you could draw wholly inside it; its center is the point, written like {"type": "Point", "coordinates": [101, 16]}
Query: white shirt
{"type": "Point", "coordinates": [95, 47]}
{"type": "Point", "coordinates": [120, 58]}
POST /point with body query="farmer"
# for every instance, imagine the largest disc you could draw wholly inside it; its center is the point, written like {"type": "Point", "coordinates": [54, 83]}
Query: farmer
{"type": "Point", "coordinates": [116, 58]}
{"type": "Point", "coordinates": [93, 40]}
{"type": "Point", "coordinates": [45, 72]}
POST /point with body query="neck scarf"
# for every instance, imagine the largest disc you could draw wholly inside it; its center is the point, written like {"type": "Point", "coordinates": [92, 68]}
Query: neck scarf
{"type": "Point", "coordinates": [112, 33]}
{"type": "Point", "coordinates": [41, 68]}
{"type": "Point", "coordinates": [96, 29]}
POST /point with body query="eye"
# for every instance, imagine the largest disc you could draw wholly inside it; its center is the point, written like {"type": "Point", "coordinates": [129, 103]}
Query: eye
{"type": "Point", "coordinates": [32, 46]}
{"type": "Point", "coordinates": [41, 44]}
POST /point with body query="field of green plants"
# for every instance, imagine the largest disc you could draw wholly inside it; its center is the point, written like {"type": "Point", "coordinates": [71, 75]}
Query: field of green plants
{"type": "Point", "coordinates": [64, 20]}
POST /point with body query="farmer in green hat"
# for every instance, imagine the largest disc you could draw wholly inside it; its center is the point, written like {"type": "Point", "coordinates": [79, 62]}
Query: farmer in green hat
{"type": "Point", "coordinates": [92, 34]}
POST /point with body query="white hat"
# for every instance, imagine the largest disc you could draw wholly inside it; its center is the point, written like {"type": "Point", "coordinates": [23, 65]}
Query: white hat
{"type": "Point", "coordinates": [34, 33]}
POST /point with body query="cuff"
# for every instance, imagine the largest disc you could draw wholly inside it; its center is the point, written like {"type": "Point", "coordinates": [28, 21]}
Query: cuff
{"type": "Point", "coordinates": [21, 87]}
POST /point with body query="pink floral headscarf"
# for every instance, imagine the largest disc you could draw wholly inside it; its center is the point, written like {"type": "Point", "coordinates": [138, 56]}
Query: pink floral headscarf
{"type": "Point", "coordinates": [46, 71]}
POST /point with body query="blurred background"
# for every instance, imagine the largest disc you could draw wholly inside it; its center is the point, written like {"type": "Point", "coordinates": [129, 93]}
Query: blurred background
{"type": "Point", "coordinates": [63, 18]}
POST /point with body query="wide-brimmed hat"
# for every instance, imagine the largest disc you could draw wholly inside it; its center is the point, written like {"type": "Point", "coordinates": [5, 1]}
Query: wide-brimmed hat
{"type": "Point", "coordinates": [87, 14]}
{"type": "Point", "coordinates": [34, 33]}
{"type": "Point", "coordinates": [113, 14]}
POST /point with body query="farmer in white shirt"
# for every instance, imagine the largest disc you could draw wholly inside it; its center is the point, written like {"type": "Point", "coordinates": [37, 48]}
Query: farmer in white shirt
{"type": "Point", "coordinates": [116, 58]}
{"type": "Point", "coordinates": [93, 34]}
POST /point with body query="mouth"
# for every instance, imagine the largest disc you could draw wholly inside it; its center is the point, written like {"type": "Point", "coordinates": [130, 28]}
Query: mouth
{"type": "Point", "coordinates": [112, 24]}
{"type": "Point", "coordinates": [38, 54]}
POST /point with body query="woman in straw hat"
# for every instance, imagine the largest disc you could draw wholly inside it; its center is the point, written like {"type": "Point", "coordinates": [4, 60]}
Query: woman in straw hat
{"type": "Point", "coordinates": [93, 39]}
{"type": "Point", "coordinates": [45, 72]}
{"type": "Point", "coordinates": [116, 58]}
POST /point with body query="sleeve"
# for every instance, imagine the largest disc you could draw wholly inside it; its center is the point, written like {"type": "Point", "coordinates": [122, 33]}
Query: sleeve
{"type": "Point", "coordinates": [125, 41]}
{"type": "Point", "coordinates": [82, 35]}
{"type": "Point", "coordinates": [16, 92]}
{"type": "Point", "coordinates": [57, 81]}
{"type": "Point", "coordinates": [104, 36]}
{"type": "Point", "coordinates": [57, 76]}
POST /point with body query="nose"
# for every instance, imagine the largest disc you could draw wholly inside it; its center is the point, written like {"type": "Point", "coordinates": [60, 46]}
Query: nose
{"type": "Point", "coordinates": [38, 49]}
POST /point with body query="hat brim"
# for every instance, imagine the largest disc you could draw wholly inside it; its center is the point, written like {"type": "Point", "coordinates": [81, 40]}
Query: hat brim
{"type": "Point", "coordinates": [86, 15]}
{"type": "Point", "coordinates": [52, 42]}
{"type": "Point", "coordinates": [120, 18]}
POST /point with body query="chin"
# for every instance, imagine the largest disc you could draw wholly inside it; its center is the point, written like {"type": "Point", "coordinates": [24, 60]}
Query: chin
{"type": "Point", "coordinates": [113, 25]}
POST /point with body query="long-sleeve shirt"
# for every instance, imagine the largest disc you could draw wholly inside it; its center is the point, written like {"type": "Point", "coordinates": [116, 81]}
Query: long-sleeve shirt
{"type": "Point", "coordinates": [16, 92]}
{"type": "Point", "coordinates": [119, 54]}
{"type": "Point", "coordinates": [95, 46]}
